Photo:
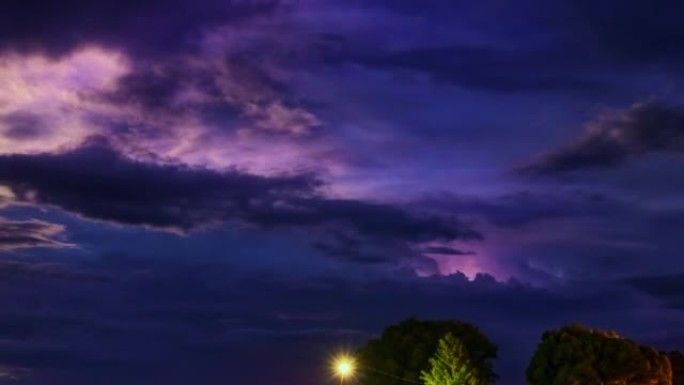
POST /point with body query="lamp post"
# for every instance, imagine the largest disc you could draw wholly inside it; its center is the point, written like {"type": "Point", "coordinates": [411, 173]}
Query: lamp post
{"type": "Point", "coordinates": [344, 368]}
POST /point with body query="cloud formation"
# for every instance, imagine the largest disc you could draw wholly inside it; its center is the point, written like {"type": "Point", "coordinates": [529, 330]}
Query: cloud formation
{"type": "Point", "coordinates": [637, 32]}
{"type": "Point", "coordinates": [614, 138]}
{"type": "Point", "coordinates": [205, 109]}
{"type": "Point", "coordinates": [26, 234]}
{"type": "Point", "coordinates": [667, 288]}
{"type": "Point", "coordinates": [487, 68]}
{"type": "Point", "coordinates": [97, 182]}
{"type": "Point", "coordinates": [146, 28]}
{"type": "Point", "coordinates": [46, 103]}
{"type": "Point", "coordinates": [100, 183]}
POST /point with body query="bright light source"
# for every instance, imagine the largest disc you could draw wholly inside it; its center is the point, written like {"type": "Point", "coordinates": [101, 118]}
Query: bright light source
{"type": "Point", "coordinates": [344, 366]}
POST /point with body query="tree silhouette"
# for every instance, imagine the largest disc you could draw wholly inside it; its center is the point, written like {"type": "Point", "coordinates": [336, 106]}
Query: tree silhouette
{"type": "Point", "coordinates": [577, 355]}
{"type": "Point", "coordinates": [451, 365]}
{"type": "Point", "coordinates": [404, 351]}
{"type": "Point", "coordinates": [677, 361]}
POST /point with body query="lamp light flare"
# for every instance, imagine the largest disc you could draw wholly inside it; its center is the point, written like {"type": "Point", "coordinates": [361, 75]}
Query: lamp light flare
{"type": "Point", "coordinates": [344, 367]}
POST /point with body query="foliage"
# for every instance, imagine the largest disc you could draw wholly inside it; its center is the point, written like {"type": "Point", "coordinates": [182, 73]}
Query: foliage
{"type": "Point", "coordinates": [404, 351]}
{"type": "Point", "coordinates": [677, 362]}
{"type": "Point", "coordinates": [577, 355]}
{"type": "Point", "coordinates": [451, 365]}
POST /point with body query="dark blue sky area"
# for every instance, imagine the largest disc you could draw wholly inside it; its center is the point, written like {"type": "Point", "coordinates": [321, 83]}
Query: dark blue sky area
{"type": "Point", "coordinates": [232, 191]}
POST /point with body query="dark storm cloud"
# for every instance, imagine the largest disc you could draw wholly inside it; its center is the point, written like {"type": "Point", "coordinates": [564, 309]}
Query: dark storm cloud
{"type": "Point", "coordinates": [154, 90]}
{"type": "Point", "coordinates": [632, 31]}
{"type": "Point", "coordinates": [489, 68]}
{"type": "Point", "coordinates": [373, 250]}
{"type": "Point", "coordinates": [613, 139]}
{"type": "Point", "coordinates": [31, 270]}
{"type": "Point", "coordinates": [383, 221]}
{"type": "Point", "coordinates": [144, 26]}
{"type": "Point", "coordinates": [371, 232]}
{"type": "Point", "coordinates": [567, 46]}
{"type": "Point", "coordinates": [29, 234]}
{"type": "Point", "coordinates": [97, 182]}
{"type": "Point", "coordinates": [520, 209]}
{"type": "Point", "coordinates": [667, 288]}
{"type": "Point", "coordinates": [446, 251]}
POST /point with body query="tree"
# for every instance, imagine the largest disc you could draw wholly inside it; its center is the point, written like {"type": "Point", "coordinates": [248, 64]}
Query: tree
{"type": "Point", "coordinates": [451, 365]}
{"type": "Point", "coordinates": [677, 362]}
{"type": "Point", "coordinates": [577, 355]}
{"type": "Point", "coordinates": [404, 350]}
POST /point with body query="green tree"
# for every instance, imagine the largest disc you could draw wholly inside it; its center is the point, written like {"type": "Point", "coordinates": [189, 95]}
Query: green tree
{"type": "Point", "coordinates": [577, 355]}
{"type": "Point", "coordinates": [451, 365]}
{"type": "Point", "coordinates": [404, 350]}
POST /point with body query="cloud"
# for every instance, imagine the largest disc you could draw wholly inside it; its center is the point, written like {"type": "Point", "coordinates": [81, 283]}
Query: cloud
{"type": "Point", "coordinates": [544, 236]}
{"type": "Point", "coordinates": [254, 66]}
{"type": "Point", "coordinates": [6, 196]}
{"type": "Point", "coordinates": [201, 108]}
{"type": "Point", "coordinates": [486, 67]}
{"type": "Point", "coordinates": [22, 126]}
{"type": "Point", "coordinates": [97, 182]}
{"type": "Point", "coordinates": [16, 270]}
{"type": "Point", "coordinates": [9, 373]}
{"type": "Point", "coordinates": [522, 209]}
{"type": "Point", "coordinates": [46, 102]}
{"type": "Point", "coordinates": [635, 31]}
{"type": "Point", "coordinates": [233, 86]}
{"type": "Point", "coordinates": [667, 288]}
{"type": "Point", "coordinates": [614, 138]}
{"type": "Point", "coordinates": [443, 250]}
{"type": "Point", "coordinates": [16, 234]}
{"type": "Point", "coordinates": [146, 28]}
{"type": "Point", "coordinates": [277, 118]}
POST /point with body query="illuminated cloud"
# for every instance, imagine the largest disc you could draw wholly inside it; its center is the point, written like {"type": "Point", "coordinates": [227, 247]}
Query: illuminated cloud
{"type": "Point", "coordinates": [45, 103]}
{"type": "Point", "coordinates": [6, 196]}
{"type": "Point", "coordinates": [151, 109]}
{"type": "Point", "coordinates": [15, 234]}
{"type": "Point", "coordinates": [277, 118]}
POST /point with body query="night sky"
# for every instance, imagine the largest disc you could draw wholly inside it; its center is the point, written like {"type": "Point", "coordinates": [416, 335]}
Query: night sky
{"type": "Point", "coordinates": [231, 191]}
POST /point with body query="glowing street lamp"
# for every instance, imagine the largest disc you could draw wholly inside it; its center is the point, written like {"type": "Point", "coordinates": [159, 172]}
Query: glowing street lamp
{"type": "Point", "coordinates": [344, 368]}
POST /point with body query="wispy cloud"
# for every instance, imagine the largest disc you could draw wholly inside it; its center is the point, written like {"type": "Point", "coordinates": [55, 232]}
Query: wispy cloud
{"type": "Point", "coordinates": [15, 234]}
{"type": "Point", "coordinates": [614, 138]}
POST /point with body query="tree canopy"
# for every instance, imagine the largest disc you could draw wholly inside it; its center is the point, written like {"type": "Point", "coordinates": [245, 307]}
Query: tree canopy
{"type": "Point", "coordinates": [577, 355]}
{"type": "Point", "coordinates": [677, 361]}
{"type": "Point", "coordinates": [451, 365]}
{"type": "Point", "coordinates": [404, 350]}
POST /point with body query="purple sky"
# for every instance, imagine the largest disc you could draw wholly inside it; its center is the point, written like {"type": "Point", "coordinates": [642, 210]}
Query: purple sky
{"type": "Point", "coordinates": [231, 191]}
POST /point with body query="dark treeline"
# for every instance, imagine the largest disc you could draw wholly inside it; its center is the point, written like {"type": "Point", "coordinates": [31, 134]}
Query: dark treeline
{"type": "Point", "coordinates": [457, 353]}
